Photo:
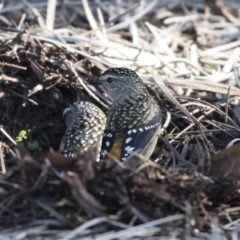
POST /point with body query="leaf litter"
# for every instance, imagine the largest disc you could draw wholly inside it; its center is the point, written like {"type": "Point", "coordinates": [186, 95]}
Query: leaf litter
{"type": "Point", "coordinates": [187, 54]}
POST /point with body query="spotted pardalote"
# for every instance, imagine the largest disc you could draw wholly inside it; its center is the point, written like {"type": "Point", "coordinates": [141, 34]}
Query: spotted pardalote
{"type": "Point", "coordinates": [84, 132]}
{"type": "Point", "coordinates": [134, 120]}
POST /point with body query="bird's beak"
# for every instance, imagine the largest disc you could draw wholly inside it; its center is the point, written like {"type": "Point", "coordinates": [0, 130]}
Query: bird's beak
{"type": "Point", "coordinates": [96, 81]}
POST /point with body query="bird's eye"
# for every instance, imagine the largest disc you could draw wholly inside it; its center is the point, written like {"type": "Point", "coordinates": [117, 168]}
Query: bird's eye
{"type": "Point", "coordinates": [109, 80]}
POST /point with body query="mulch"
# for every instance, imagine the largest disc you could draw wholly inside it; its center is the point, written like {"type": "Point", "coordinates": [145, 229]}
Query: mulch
{"type": "Point", "coordinates": [44, 194]}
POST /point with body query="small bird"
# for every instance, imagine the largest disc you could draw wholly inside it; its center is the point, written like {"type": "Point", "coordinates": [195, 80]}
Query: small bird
{"type": "Point", "coordinates": [85, 126]}
{"type": "Point", "coordinates": [134, 120]}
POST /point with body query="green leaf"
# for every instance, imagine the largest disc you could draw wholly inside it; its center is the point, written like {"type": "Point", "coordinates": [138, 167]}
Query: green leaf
{"type": "Point", "coordinates": [19, 144]}
{"type": "Point", "coordinates": [32, 146]}
{"type": "Point", "coordinates": [20, 137]}
{"type": "Point", "coordinates": [23, 134]}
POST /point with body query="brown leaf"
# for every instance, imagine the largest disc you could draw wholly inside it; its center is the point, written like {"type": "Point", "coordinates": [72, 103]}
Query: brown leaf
{"type": "Point", "coordinates": [226, 163]}
{"type": "Point", "coordinates": [56, 159]}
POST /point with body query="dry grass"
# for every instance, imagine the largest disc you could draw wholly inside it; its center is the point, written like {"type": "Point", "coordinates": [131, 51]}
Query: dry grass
{"type": "Point", "coordinates": [187, 54]}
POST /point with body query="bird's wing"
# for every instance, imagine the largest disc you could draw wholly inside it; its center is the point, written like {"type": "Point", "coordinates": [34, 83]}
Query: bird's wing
{"type": "Point", "coordinates": [78, 140]}
{"type": "Point", "coordinates": [136, 139]}
{"type": "Point", "coordinates": [72, 140]}
{"type": "Point", "coordinates": [108, 143]}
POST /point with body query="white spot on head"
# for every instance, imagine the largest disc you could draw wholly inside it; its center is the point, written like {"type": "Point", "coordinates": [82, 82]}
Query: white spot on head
{"type": "Point", "coordinates": [128, 140]}
{"type": "Point", "coordinates": [107, 143]}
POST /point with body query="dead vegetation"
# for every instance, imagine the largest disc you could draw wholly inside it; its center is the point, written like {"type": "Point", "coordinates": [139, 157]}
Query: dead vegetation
{"type": "Point", "coordinates": [187, 54]}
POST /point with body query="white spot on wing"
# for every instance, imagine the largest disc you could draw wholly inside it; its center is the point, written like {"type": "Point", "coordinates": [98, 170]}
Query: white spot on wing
{"type": "Point", "coordinates": [128, 140]}
{"type": "Point", "coordinates": [140, 129]}
{"type": "Point", "coordinates": [104, 153]}
{"type": "Point", "coordinates": [134, 130]}
{"type": "Point", "coordinates": [128, 148]}
{"type": "Point", "coordinates": [129, 131]}
{"type": "Point", "coordinates": [107, 143]}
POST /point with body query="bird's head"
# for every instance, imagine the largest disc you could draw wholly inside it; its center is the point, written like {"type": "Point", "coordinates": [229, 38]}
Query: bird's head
{"type": "Point", "coordinates": [121, 83]}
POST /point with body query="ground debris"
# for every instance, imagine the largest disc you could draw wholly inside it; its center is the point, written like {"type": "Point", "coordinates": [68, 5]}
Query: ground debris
{"type": "Point", "coordinates": [188, 56]}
